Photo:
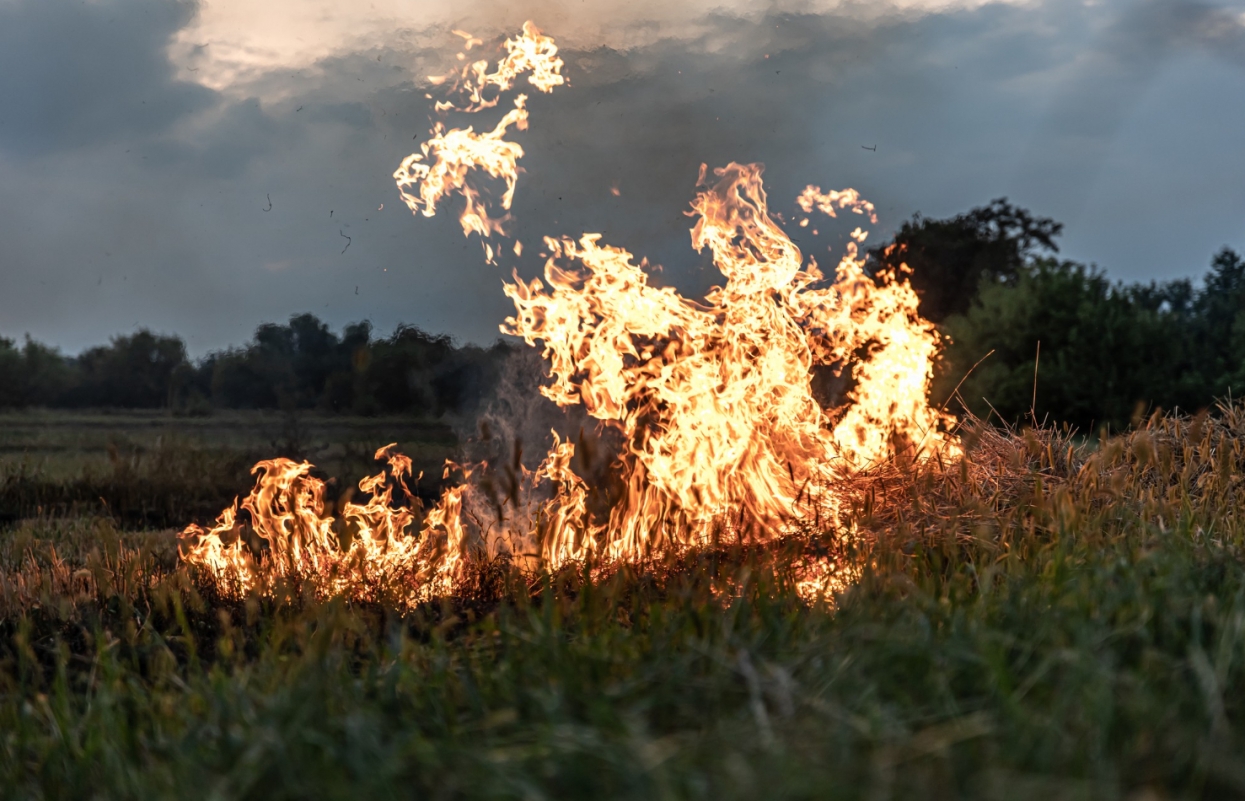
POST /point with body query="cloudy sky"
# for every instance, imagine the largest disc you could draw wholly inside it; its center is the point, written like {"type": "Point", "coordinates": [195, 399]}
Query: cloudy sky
{"type": "Point", "coordinates": [195, 168]}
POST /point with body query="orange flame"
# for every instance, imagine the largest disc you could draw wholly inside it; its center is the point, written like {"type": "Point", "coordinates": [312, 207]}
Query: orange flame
{"type": "Point", "coordinates": [287, 513]}
{"type": "Point", "coordinates": [442, 167]}
{"type": "Point", "coordinates": [712, 399]}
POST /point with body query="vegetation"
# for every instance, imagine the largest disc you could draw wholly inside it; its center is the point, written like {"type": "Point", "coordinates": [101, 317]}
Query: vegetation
{"type": "Point", "coordinates": [1042, 621]}
{"type": "Point", "coordinates": [1054, 616]}
{"type": "Point", "coordinates": [145, 468]}
{"type": "Point", "coordinates": [301, 365]}
{"type": "Point", "coordinates": [1103, 353]}
{"type": "Point", "coordinates": [950, 259]}
{"type": "Point", "coordinates": [1028, 335]}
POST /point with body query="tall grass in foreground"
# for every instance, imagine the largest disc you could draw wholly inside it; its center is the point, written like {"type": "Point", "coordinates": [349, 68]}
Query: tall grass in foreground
{"type": "Point", "coordinates": [1041, 621]}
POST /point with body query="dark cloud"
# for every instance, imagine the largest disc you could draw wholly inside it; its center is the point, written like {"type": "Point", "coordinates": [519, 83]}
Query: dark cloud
{"type": "Point", "coordinates": [800, 93]}
{"type": "Point", "coordinates": [963, 106]}
{"type": "Point", "coordinates": [75, 74]}
{"type": "Point", "coordinates": [1113, 74]}
{"type": "Point", "coordinates": [1152, 30]}
{"type": "Point", "coordinates": [225, 144]}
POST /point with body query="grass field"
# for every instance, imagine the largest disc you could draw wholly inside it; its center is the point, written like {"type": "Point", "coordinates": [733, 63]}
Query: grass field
{"type": "Point", "coordinates": [1043, 621]}
{"type": "Point", "coordinates": [154, 469]}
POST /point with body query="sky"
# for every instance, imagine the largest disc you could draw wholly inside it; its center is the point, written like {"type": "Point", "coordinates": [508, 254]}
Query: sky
{"type": "Point", "coordinates": [201, 168]}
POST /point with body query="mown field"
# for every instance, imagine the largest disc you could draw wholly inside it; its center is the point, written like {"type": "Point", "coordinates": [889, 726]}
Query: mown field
{"type": "Point", "coordinates": [1045, 620]}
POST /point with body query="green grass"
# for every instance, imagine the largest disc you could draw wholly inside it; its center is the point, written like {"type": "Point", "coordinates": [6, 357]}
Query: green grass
{"type": "Point", "coordinates": [1044, 622]}
{"type": "Point", "coordinates": [152, 468]}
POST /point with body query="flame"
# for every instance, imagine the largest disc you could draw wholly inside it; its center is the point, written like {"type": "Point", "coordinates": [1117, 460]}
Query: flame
{"type": "Point", "coordinates": [531, 52]}
{"type": "Point", "coordinates": [287, 513]}
{"type": "Point", "coordinates": [442, 167]}
{"type": "Point", "coordinates": [813, 198]}
{"type": "Point", "coordinates": [714, 399]}
{"type": "Point", "coordinates": [711, 399]}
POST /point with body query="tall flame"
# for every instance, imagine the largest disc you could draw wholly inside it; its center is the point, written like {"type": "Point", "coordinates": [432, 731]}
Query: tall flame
{"type": "Point", "coordinates": [712, 399]}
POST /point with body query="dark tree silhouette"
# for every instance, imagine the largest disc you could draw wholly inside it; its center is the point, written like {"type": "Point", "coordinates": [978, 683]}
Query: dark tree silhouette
{"type": "Point", "coordinates": [951, 258]}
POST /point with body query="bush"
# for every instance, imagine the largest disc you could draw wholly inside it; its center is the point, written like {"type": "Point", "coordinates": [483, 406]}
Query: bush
{"type": "Point", "coordinates": [1109, 352]}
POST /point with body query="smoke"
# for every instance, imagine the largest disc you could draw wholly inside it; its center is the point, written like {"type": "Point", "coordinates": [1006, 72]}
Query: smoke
{"type": "Point", "coordinates": [516, 419]}
{"type": "Point", "coordinates": [236, 43]}
{"type": "Point", "coordinates": [515, 432]}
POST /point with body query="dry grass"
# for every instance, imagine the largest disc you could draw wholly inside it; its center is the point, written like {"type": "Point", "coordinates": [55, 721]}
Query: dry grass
{"type": "Point", "coordinates": [1047, 618]}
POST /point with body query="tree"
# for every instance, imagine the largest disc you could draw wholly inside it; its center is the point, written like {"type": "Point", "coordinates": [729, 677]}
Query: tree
{"type": "Point", "coordinates": [133, 372]}
{"type": "Point", "coordinates": [1218, 325]}
{"type": "Point", "coordinates": [403, 371]}
{"type": "Point", "coordinates": [950, 259]}
{"type": "Point", "coordinates": [300, 365]}
{"type": "Point", "coordinates": [1107, 349]}
{"type": "Point", "coordinates": [32, 375]}
{"type": "Point", "coordinates": [1095, 347]}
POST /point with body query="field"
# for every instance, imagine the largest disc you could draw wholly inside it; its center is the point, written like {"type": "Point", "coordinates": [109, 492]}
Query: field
{"type": "Point", "coordinates": [155, 470]}
{"type": "Point", "coordinates": [1045, 620]}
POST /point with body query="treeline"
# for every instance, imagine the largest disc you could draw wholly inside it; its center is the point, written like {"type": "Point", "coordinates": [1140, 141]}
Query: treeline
{"type": "Point", "coordinates": [300, 365]}
{"type": "Point", "coordinates": [1104, 353]}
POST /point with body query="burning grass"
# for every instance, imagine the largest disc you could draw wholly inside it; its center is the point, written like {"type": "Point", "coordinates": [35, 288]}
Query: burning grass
{"type": "Point", "coordinates": [1042, 618]}
{"type": "Point", "coordinates": [709, 403]}
{"type": "Point", "coordinates": [781, 600]}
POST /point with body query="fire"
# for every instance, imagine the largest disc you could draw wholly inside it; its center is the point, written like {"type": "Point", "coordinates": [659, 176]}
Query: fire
{"type": "Point", "coordinates": [711, 399]}
{"type": "Point", "coordinates": [288, 514]}
{"type": "Point", "coordinates": [444, 163]}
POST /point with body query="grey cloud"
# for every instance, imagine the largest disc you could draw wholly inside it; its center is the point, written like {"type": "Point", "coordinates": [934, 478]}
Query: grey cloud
{"type": "Point", "coordinates": [1154, 29]}
{"type": "Point", "coordinates": [644, 120]}
{"type": "Point", "coordinates": [1126, 58]}
{"type": "Point", "coordinates": [1114, 73]}
{"type": "Point", "coordinates": [223, 144]}
{"type": "Point", "coordinates": [801, 93]}
{"type": "Point", "coordinates": [959, 102]}
{"type": "Point", "coordinates": [74, 74]}
{"type": "Point", "coordinates": [955, 103]}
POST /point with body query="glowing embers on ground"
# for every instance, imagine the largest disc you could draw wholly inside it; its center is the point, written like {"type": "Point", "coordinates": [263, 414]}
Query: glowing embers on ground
{"type": "Point", "coordinates": [711, 402]}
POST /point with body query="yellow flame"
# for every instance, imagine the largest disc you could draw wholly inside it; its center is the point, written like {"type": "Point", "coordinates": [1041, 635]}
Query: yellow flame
{"type": "Point", "coordinates": [287, 512]}
{"type": "Point", "coordinates": [442, 167]}
{"type": "Point", "coordinates": [712, 399]}
{"type": "Point", "coordinates": [813, 198]}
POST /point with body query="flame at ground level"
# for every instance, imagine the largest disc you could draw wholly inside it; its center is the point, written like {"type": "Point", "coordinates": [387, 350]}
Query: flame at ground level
{"type": "Point", "coordinates": [712, 400]}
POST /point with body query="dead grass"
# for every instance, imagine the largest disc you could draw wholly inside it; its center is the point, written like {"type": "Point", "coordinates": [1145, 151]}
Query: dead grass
{"type": "Point", "coordinates": [1047, 618]}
